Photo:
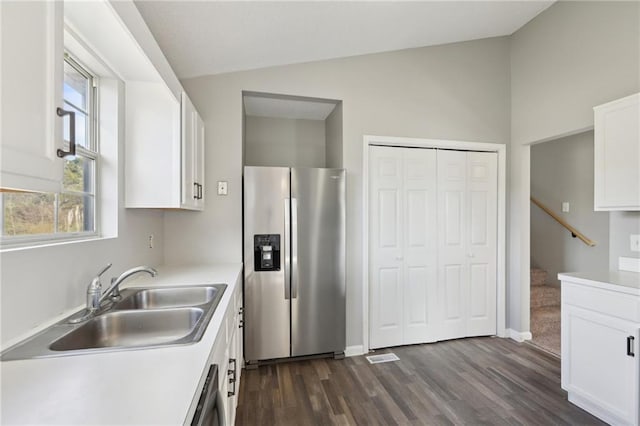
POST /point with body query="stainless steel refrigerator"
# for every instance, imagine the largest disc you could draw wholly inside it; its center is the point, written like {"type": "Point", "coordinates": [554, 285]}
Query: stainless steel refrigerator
{"type": "Point", "coordinates": [294, 256]}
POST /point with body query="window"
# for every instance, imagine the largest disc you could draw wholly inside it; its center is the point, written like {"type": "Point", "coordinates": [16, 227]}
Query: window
{"type": "Point", "coordinates": [71, 213]}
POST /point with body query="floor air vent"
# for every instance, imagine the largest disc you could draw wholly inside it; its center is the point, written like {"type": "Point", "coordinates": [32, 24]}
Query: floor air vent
{"type": "Point", "coordinates": [377, 359]}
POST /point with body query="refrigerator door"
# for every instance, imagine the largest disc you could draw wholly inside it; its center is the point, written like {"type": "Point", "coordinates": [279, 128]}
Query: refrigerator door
{"type": "Point", "coordinates": [267, 305]}
{"type": "Point", "coordinates": [318, 257]}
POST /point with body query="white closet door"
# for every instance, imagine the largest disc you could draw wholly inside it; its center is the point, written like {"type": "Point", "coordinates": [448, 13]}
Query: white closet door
{"type": "Point", "coordinates": [420, 246]}
{"type": "Point", "coordinates": [453, 284]}
{"type": "Point", "coordinates": [386, 242]}
{"type": "Point", "coordinates": [482, 241]}
{"type": "Point", "coordinates": [402, 246]}
{"type": "Point", "coordinates": [467, 242]}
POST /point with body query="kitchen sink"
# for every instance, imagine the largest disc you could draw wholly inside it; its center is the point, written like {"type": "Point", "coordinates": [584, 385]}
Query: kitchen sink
{"type": "Point", "coordinates": [174, 297]}
{"type": "Point", "coordinates": [132, 329]}
{"type": "Point", "coordinates": [143, 318]}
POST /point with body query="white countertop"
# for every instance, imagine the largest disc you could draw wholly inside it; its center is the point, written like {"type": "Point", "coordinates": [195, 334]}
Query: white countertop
{"type": "Point", "coordinates": [148, 386]}
{"type": "Point", "coordinates": [621, 281]}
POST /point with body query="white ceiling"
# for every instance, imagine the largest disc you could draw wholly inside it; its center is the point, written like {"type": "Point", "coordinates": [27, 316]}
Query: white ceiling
{"type": "Point", "coordinates": [212, 37]}
{"type": "Point", "coordinates": [261, 106]}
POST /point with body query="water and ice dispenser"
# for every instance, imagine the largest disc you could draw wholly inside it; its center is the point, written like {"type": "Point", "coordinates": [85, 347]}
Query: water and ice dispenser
{"type": "Point", "coordinates": [266, 252]}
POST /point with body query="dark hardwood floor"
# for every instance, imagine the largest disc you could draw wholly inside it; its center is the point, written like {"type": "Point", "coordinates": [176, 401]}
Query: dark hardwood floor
{"type": "Point", "coordinates": [468, 381]}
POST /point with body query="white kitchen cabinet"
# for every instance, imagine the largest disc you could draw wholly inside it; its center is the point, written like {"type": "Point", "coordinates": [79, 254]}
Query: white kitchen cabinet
{"type": "Point", "coordinates": [164, 164]}
{"type": "Point", "coordinates": [617, 155]}
{"type": "Point", "coordinates": [600, 356]}
{"type": "Point", "coordinates": [192, 157]}
{"type": "Point", "coordinates": [31, 87]}
{"type": "Point", "coordinates": [227, 355]}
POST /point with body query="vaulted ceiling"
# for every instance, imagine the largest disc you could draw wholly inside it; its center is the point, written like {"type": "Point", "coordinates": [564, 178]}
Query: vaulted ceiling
{"type": "Point", "coordinates": [213, 37]}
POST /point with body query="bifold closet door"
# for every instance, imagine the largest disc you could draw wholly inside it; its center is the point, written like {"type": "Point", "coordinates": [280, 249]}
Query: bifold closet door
{"type": "Point", "coordinates": [467, 242]}
{"type": "Point", "coordinates": [402, 246]}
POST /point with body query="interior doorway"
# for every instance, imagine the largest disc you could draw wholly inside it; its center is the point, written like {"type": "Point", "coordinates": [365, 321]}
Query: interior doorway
{"type": "Point", "coordinates": [561, 196]}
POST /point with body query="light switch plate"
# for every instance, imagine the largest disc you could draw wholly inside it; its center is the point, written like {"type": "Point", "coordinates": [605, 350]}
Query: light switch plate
{"type": "Point", "coordinates": [565, 207]}
{"type": "Point", "coordinates": [222, 187]}
{"type": "Point", "coordinates": [634, 242]}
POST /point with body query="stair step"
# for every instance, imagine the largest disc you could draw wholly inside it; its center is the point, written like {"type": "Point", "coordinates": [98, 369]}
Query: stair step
{"type": "Point", "coordinates": [544, 295]}
{"type": "Point", "coordinates": [549, 341]}
{"type": "Point", "coordinates": [538, 276]}
{"type": "Point", "coordinates": [545, 320]}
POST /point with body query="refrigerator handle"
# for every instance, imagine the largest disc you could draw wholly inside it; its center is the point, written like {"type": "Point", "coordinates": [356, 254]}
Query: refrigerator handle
{"type": "Point", "coordinates": [287, 249]}
{"type": "Point", "coordinates": [294, 248]}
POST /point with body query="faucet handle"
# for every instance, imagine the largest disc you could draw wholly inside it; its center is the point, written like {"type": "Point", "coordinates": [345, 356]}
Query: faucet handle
{"type": "Point", "coordinates": [105, 269]}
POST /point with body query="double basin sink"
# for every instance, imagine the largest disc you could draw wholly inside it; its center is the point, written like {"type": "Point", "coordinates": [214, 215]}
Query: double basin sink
{"type": "Point", "coordinates": [143, 318]}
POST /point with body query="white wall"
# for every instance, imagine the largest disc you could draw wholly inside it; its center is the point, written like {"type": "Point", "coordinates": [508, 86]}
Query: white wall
{"type": "Point", "coordinates": [621, 226]}
{"type": "Point", "coordinates": [562, 170]}
{"type": "Point", "coordinates": [458, 91]}
{"type": "Point", "coordinates": [284, 142]}
{"type": "Point", "coordinates": [571, 57]}
{"type": "Point", "coordinates": [40, 283]}
{"type": "Point", "coordinates": [333, 131]}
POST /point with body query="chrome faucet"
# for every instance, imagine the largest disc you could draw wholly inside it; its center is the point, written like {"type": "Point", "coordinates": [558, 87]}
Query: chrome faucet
{"type": "Point", "coordinates": [94, 291]}
{"type": "Point", "coordinates": [113, 292]}
{"type": "Point", "coordinates": [95, 296]}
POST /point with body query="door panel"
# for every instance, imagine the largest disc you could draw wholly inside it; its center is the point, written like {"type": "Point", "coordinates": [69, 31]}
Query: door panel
{"type": "Point", "coordinates": [416, 288]}
{"type": "Point", "coordinates": [385, 247]}
{"type": "Point", "coordinates": [419, 249]}
{"type": "Point", "coordinates": [390, 318]}
{"type": "Point", "coordinates": [318, 261]}
{"type": "Point", "coordinates": [388, 224]}
{"type": "Point", "coordinates": [482, 244]}
{"type": "Point", "coordinates": [267, 312]}
{"type": "Point", "coordinates": [452, 256]}
{"type": "Point", "coordinates": [478, 275]}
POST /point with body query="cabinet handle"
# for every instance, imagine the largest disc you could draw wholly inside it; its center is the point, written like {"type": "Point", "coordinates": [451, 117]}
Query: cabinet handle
{"type": "Point", "coordinates": [200, 191]}
{"type": "Point", "coordinates": [630, 340]}
{"type": "Point", "coordinates": [69, 155]}
{"type": "Point", "coordinates": [241, 324]}
{"type": "Point", "coordinates": [232, 379]}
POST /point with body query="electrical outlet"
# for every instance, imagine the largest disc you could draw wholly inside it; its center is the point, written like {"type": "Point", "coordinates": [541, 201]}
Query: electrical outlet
{"type": "Point", "coordinates": [222, 187]}
{"type": "Point", "coordinates": [151, 241]}
{"type": "Point", "coordinates": [635, 242]}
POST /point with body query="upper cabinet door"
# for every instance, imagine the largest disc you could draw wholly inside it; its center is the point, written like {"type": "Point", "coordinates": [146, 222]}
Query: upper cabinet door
{"type": "Point", "coordinates": [617, 155]}
{"type": "Point", "coordinates": [31, 37]}
{"type": "Point", "coordinates": [192, 156]}
{"type": "Point", "coordinates": [198, 161]}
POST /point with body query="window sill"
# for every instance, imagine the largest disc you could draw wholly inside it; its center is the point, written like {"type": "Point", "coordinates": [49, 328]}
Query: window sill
{"type": "Point", "coordinates": [29, 244]}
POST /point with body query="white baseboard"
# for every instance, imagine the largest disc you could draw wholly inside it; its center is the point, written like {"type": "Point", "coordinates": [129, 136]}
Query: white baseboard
{"type": "Point", "coordinates": [518, 336]}
{"type": "Point", "coordinates": [354, 350]}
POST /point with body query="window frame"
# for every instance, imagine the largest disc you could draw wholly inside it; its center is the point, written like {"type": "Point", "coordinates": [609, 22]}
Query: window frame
{"type": "Point", "coordinates": [92, 153]}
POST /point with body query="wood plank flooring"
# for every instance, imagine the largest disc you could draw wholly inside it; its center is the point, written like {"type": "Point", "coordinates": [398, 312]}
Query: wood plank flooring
{"type": "Point", "coordinates": [472, 381]}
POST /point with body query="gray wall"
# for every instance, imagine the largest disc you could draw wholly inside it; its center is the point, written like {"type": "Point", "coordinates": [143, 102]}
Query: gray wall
{"type": "Point", "coordinates": [621, 226]}
{"type": "Point", "coordinates": [284, 142]}
{"type": "Point", "coordinates": [458, 91]}
{"type": "Point", "coordinates": [571, 57]}
{"type": "Point", "coordinates": [562, 170]}
{"type": "Point", "coordinates": [333, 131]}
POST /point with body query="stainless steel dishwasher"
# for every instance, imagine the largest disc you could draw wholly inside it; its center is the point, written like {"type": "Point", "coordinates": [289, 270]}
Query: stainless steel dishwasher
{"type": "Point", "coordinates": [210, 411]}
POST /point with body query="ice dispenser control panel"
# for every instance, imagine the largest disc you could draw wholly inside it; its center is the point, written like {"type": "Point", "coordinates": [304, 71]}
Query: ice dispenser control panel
{"type": "Point", "coordinates": [266, 252]}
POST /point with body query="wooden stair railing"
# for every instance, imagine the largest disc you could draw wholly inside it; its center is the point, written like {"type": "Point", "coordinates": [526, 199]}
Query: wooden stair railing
{"type": "Point", "coordinates": [574, 232]}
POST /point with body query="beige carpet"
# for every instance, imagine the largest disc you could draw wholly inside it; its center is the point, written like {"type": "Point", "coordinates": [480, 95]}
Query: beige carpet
{"type": "Point", "coordinates": [545, 312]}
